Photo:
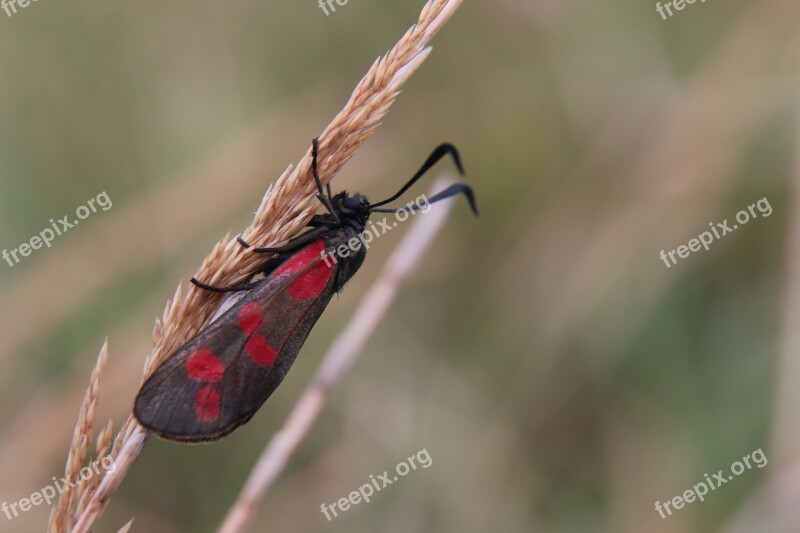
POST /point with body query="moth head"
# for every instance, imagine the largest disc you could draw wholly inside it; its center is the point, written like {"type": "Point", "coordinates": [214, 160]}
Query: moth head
{"type": "Point", "coordinates": [355, 205]}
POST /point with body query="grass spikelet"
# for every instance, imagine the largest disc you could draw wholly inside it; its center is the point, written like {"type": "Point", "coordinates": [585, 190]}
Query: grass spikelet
{"type": "Point", "coordinates": [62, 517]}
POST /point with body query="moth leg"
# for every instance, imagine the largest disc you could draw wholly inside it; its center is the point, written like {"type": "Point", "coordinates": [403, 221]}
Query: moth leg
{"type": "Point", "coordinates": [236, 288]}
{"type": "Point", "coordinates": [318, 221]}
{"type": "Point", "coordinates": [326, 201]}
{"type": "Point", "coordinates": [294, 244]}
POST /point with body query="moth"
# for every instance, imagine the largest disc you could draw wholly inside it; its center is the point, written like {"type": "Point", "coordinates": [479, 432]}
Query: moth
{"type": "Point", "coordinates": [219, 379]}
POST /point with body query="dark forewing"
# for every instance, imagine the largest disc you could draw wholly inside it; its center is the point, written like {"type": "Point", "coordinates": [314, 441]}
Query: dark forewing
{"type": "Point", "coordinates": [217, 381]}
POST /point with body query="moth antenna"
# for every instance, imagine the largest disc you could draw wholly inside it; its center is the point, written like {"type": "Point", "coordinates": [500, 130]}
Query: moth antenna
{"type": "Point", "coordinates": [440, 151]}
{"type": "Point", "coordinates": [452, 190]}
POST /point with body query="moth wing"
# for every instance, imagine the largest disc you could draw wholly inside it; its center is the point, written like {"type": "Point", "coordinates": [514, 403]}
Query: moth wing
{"type": "Point", "coordinates": [218, 380]}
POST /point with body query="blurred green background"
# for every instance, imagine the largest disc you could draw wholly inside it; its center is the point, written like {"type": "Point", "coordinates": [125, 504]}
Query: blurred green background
{"type": "Point", "coordinates": [561, 378]}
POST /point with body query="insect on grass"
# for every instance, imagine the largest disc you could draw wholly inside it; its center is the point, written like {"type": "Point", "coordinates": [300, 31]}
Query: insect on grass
{"type": "Point", "coordinates": [218, 380]}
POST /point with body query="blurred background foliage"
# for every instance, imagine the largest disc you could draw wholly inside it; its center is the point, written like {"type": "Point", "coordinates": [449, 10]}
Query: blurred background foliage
{"type": "Point", "coordinates": [560, 376]}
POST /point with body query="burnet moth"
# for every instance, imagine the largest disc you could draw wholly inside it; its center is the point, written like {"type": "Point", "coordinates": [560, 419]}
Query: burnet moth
{"type": "Point", "coordinates": [217, 380]}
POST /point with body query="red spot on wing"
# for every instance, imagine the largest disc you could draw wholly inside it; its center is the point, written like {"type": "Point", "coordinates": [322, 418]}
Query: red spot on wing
{"type": "Point", "coordinates": [311, 282]}
{"type": "Point", "coordinates": [205, 366]}
{"type": "Point", "coordinates": [301, 258]}
{"type": "Point", "coordinates": [207, 404]}
{"type": "Point", "coordinates": [250, 317]}
{"type": "Point", "coordinates": [260, 351]}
